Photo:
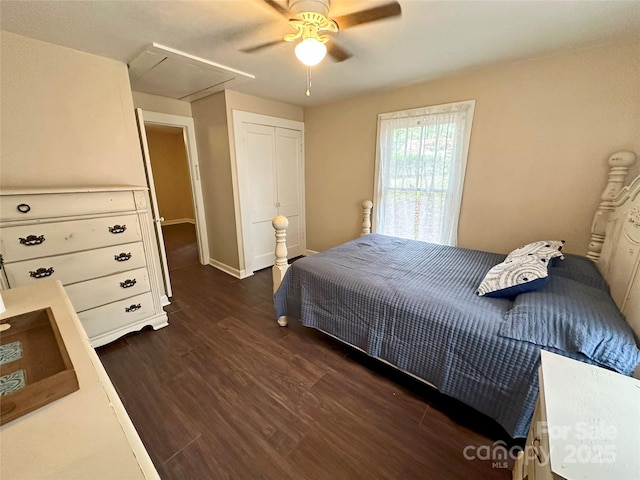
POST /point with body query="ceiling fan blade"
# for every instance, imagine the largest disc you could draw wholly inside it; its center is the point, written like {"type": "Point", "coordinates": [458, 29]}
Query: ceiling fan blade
{"type": "Point", "coordinates": [277, 7]}
{"type": "Point", "coordinates": [370, 15]}
{"type": "Point", "coordinates": [255, 48]}
{"type": "Point", "coordinates": [337, 53]}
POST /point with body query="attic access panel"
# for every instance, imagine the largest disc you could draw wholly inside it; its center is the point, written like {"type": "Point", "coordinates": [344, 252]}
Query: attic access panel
{"type": "Point", "coordinates": [163, 71]}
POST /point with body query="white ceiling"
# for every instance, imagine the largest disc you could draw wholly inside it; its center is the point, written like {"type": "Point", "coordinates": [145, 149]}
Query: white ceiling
{"type": "Point", "coordinates": [432, 38]}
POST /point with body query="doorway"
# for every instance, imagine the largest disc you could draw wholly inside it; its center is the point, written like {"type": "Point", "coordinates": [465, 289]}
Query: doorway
{"type": "Point", "coordinates": [173, 177]}
{"type": "Point", "coordinates": [170, 168]}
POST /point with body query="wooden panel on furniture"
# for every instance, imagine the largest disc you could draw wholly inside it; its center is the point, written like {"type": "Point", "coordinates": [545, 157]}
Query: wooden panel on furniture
{"type": "Point", "coordinates": [84, 295]}
{"type": "Point", "coordinates": [615, 241]}
{"type": "Point", "coordinates": [45, 239]}
{"type": "Point", "coordinates": [25, 204]}
{"type": "Point", "coordinates": [78, 266]}
{"type": "Point", "coordinates": [115, 317]}
{"type": "Point", "coordinates": [35, 367]}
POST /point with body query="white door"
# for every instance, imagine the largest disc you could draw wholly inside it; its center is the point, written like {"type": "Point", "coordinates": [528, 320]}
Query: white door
{"type": "Point", "coordinates": [260, 153]}
{"type": "Point", "coordinates": [154, 203]}
{"type": "Point", "coordinates": [270, 166]}
{"type": "Point", "coordinates": [289, 180]}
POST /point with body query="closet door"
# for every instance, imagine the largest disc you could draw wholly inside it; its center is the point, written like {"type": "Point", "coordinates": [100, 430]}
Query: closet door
{"type": "Point", "coordinates": [270, 182]}
{"type": "Point", "coordinates": [289, 180]}
{"type": "Point", "coordinates": [260, 152]}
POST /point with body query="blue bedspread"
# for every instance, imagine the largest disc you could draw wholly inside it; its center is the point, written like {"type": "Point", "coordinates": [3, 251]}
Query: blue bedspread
{"type": "Point", "coordinates": [414, 304]}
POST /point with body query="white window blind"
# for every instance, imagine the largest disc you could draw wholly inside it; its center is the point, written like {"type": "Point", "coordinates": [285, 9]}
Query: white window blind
{"type": "Point", "coordinates": [420, 166]}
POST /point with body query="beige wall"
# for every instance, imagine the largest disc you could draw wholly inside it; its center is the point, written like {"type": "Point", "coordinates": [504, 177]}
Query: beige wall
{"type": "Point", "coordinates": [213, 120]}
{"type": "Point", "coordinates": [215, 175]}
{"type": "Point", "coordinates": [249, 103]}
{"type": "Point", "coordinates": [67, 118]}
{"type": "Point", "coordinates": [542, 132]}
{"type": "Point", "coordinates": [171, 173]}
{"type": "Point", "coordinates": [156, 103]}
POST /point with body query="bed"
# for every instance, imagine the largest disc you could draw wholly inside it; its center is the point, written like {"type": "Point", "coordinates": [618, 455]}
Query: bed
{"type": "Point", "coordinates": [415, 306]}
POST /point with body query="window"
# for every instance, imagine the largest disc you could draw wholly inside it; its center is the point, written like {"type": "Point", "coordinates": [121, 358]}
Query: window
{"type": "Point", "coordinates": [420, 165]}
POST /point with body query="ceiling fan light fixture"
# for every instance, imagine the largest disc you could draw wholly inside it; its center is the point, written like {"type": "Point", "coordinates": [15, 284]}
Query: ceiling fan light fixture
{"type": "Point", "coordinates": [311, 51]}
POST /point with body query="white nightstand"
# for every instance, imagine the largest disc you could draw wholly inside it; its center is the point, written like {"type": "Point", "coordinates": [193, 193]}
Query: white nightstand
{"type": "Point", "coordinates": [586, 424]}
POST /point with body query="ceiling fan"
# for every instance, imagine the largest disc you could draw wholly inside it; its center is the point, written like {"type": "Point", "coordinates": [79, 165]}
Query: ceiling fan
{"type": "Point", "coordinates": [310, 19]}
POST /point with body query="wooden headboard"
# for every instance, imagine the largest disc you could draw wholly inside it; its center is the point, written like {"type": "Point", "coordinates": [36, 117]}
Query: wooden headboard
{"type": "Point", "coordinates": [615, 237]}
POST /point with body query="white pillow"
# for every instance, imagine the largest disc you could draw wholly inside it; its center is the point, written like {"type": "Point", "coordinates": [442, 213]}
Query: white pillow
{"type": "Point", "coordinates": [544, 248]}
{"type": "Point", "coordinates": [515, 275]}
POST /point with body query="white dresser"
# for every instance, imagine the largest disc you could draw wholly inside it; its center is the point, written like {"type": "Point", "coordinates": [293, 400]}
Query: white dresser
{"type": "Point", "coordinates": [586, 424]}
{"type": "Point", "coordinates": [97, 241]}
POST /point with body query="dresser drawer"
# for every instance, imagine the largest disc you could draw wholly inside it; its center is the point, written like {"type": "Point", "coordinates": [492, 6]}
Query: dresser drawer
{"type": "Point", "coordinates": [33, 206]}
{"type": "Point", "coordinates": [116, 315]}
{"type": "Point", "coordinates": [42, 240]}
{"type": "Point", "coordinates": [100, 291]}
{"type": "Point", "coordinates": [539, 468]}
{"type": "Point", "coordinates": [536, 450]}
{"type": "Point", "coordinates": [79, 266]}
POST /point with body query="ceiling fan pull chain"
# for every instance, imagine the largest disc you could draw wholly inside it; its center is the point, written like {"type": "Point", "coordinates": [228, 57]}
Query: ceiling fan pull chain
{"type": "Point", "coordinates": [308, 92]}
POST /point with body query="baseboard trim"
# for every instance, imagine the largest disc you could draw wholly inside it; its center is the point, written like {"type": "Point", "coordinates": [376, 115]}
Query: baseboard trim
{"type": "Point", "coordinates": [230, 270]}
{"type": "Point", "coordinates": [309, 252]}
{"type": "Point", "coordinates": [178, 221]}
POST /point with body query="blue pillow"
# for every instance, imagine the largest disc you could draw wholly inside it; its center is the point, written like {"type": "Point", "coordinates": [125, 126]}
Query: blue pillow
{"type": "Point", "coordinates": [516, 275]}
{"type": "Point", "coordinates": [573, 317]}
{"type": "Point", "coordinates": [581, 269]}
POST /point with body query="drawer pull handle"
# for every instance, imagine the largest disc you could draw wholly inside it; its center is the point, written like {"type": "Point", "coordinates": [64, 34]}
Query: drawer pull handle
{"type": "Point", "coordinates": [122, 257]}
{"type": "Point", "coordinates": [42, 272]}
{"type": "Point", "coordinates": [535, 444]}
{"type": "Point", "coordinates": [32, 240]}
{"type": "Point", "coordinates": [23, 208]}
{"type": "Point", "coordinates": [133, 308]}
{"type": "Point", "coordinates": [117, 229]}
{"type": "Point", "coordinates": [128, 283]}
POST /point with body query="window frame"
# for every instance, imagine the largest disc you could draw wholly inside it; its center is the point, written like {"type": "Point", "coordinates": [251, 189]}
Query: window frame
{"type": "Point", "coordinates": [469, 105]}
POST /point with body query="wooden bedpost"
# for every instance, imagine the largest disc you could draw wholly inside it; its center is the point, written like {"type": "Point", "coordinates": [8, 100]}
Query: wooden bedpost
{"type": "Point", "coordinates": [280, 224]}
{"type": "Point", "coordinates": [367, 205]}
{"type": "Point", "coordinates": [619, 164]}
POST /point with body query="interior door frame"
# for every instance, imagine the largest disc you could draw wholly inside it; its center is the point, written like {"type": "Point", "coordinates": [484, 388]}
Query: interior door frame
{"type": "Point", "coordinates": [189, 136]}
{"type": "Point", "coordinates": [240, 180]}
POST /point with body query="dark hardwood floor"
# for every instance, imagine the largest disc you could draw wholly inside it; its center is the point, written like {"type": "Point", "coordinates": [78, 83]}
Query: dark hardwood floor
{"type": "Point", "coordinates": [181, 245]}
{"type": "Point", "coordinates": [223, 392]}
